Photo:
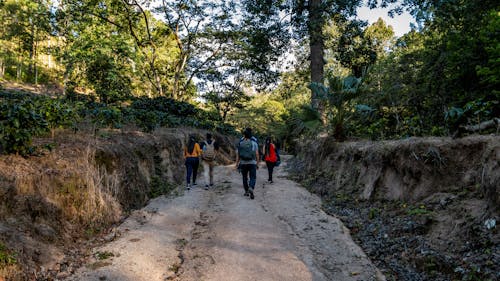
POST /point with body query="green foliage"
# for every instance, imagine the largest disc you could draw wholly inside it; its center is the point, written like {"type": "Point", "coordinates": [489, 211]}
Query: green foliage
{"type": "Point", "coordinates": [106, 116]}
{"type": "Point", "coordinates": [104, 255]}
{"type": "Point", "coordinates": [490, 72]}
{"type": "Point", "coordinates": [305, 121]}
{"type": "Point", "coordinates": [472, 112]}
{"type": "Point", "coordinates": [430, 82]}
{"type": "Point", "coordinates": [436, 80]}
{"type": "Point", "coordinates": [25, 28]}
{"type": "Point", "coordinates": [159, 187]}
{"type": "Point", "coordinates": [110, 83]}
{"type": "Point", "coordinates": [24, 116]}
{"type": "Point", "coordinates": [6, 256]}
{"type": "Point", "coordinates": [373, 213]}
{"type": "Point", "coordinates": [57, 113]}
{"type": "Point", "coordinates": [20, 121]}
{"type": "Point", "coordinates": [338, 94]}
{"type": "Point", "coordinates": [416, 211]}
{"type": "Point", "coordinates": [166, 105]}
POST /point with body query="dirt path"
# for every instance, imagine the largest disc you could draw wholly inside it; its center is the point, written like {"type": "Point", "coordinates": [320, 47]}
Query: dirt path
{"type": "Point", "coordinates": [221, 235]}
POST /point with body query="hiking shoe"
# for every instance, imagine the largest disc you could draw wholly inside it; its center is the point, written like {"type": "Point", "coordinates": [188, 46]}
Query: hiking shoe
{"type": "Point", "coordinates": [211, 184]}
{"type": "Point", "coordinates": [206, 186]}
{"type": "Point", "coordinates": [251, 194]}
{"type": "Point", "coordinates": [246, 193]}
{"type": "Point", "coordinates": [195, 184]}
{"type": "Point", "coordinates": [188, 187]}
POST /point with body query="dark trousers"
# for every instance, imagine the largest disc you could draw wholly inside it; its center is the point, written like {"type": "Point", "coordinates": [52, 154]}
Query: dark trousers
{"type": "Point", "coordinates": [270, 168]}
{"type": "Point", "coordinates": [249, 169]}
{"type": "Point", "coordinates": [192, 164]}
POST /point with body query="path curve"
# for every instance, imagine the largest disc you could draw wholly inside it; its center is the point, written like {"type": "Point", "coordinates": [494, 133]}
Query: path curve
{"type": "Point", "coordinates": [219, 234]}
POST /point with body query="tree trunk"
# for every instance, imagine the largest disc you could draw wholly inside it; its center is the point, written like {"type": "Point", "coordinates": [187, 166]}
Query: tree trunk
{"type": "Point", "coordinates": [32, 51]}
{"type": "Point", "coordinates": [156, 77]}
{"type": "Point", "coordinates": [179, 70]}
{"type": "Point", "coordinates": [2, 68]}
{"type": "Point", "coordinates": [67, 71]}
{"type": "Point", "coordinates": [484, 125]}
{"type": "Point", "coordinates": [316, 44]}
{"type": "Point", "coordinates": [35, 49]}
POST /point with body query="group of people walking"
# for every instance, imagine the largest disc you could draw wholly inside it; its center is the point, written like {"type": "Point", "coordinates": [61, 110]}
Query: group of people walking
{"type": "Point", "coordinates": [207, 151]}
{"type": "Point", "coordinates": [248, 157]}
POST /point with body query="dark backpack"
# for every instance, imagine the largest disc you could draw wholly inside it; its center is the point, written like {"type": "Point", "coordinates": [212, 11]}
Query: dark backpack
{"type": "Point", "coordinates": [245, 150]}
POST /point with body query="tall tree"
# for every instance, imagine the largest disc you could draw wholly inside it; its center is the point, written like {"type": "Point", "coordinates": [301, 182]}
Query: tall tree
{"type": "Point", "coordinates": [309, 18]}
{"type": "Point", "coordinates": [380, 36]}
{"type": "Point", "coordinates": [200, 29]}
{"type": "Point", "coordinates": [25, 25]}
{"type": "Point", "coordinates": [224, 91]}
{"type": "Point", "coordinates": [145, 49]}
{"type": "Point", "coordinates": [433, 81]}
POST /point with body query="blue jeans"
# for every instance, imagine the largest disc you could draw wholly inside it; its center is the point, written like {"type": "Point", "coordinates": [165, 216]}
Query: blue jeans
{"type": "Point", "coordinates": [192, 164]}
{"type": "Point", "coordinates": [249, 169]}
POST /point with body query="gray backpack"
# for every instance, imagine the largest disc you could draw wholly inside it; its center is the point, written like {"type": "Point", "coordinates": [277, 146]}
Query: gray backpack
{"type": "Point", "coordinates": [245, 150]}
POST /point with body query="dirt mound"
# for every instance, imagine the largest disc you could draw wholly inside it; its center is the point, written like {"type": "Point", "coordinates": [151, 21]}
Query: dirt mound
{"type": "Point", "coordinates": [422, 208]}
{"type": "Point", "coordinates": [80, 185]}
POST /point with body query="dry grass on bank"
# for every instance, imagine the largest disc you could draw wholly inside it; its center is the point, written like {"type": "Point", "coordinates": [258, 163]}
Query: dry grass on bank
{"type": "Point", "coordinates": [74, 187]}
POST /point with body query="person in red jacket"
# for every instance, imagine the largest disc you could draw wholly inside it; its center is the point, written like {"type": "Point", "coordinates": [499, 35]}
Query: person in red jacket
{"type": "Point", "coordinates": [271, 157]}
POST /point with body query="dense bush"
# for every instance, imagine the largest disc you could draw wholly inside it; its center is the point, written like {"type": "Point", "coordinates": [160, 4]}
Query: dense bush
{"type": "Point", "coordinates": [20, 121]}
{"type": "Point", "coordinates": [24, 116]}
{"type": "Point", "coordinates": [166, 105]}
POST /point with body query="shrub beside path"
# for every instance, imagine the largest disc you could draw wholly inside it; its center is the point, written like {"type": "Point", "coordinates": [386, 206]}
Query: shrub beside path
{"type": "Point", "coordinates": [219, 234]}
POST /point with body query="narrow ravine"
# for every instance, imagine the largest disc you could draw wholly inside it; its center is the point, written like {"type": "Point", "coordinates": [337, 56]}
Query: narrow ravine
{"type": "Point", "coordinates": [219, 234]}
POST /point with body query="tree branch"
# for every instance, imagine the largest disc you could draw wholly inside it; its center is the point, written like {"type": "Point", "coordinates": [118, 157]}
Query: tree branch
{"type": "Point", "coordinates": [483, 125]}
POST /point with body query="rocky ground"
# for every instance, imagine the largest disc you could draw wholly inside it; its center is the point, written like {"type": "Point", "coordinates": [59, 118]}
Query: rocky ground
{"type": "Point", "coordinates": [421, 208]}
{"type": "Point", "coordinates": [395, 238]}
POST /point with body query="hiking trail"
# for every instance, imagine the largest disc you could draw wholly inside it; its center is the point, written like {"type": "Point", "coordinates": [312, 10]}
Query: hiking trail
{"type": "Point", "coordinates": [219, 234]}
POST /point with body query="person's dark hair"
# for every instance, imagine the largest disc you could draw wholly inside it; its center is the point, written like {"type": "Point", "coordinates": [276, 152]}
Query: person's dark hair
{"type": "Point", "coordinates": [209, 136]}
{"type": "Point", "coordinates": [247, 133]}
{"type": "Point", "coordinates": [268, 145]}
{"type": "Point", "coordinates": [191, 143]}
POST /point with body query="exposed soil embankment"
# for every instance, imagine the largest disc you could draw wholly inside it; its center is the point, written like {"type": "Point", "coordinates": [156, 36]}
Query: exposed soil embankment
{"type": "Point", "coordinates": [422, 209]}
{"type": "Point", "coordinates": [54, 203]}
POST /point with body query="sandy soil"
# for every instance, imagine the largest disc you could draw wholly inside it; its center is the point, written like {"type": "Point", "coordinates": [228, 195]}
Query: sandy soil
{"type": "Point", "coordinates": [219, 234]}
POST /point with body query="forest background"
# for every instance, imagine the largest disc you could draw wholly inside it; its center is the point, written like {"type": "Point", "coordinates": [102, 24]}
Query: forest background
{"type": "Point", "coordinates": [80, 81]}
{"type": "Point", "coordinates": [285, 68]}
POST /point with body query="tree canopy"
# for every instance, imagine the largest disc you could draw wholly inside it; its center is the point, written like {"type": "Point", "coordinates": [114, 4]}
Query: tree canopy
{"type": "Point", "coordinates": [241, 59]}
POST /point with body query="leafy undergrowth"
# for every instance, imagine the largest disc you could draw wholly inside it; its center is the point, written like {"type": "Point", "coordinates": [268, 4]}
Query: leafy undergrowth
{"type": "Point", "coordinates": [26, 115]}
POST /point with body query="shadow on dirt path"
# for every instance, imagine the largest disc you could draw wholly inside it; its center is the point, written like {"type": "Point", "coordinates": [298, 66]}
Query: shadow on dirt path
{"type": "Point", "coordinates": [219, 234]}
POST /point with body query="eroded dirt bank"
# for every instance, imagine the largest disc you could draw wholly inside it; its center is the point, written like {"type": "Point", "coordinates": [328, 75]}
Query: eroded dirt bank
{"type": "Point", "coordinates": [422, 209]}
{"type": "Point", "coordinates": [53, 204]}
{"type": "Point", "coordinates": [219, 234]}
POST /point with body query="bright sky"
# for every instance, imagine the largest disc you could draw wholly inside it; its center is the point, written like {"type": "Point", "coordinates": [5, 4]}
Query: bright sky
{"type": "Point", "coordinates": [400, 24]}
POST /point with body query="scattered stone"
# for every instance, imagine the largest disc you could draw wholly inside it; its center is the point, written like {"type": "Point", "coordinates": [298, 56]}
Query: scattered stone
{"type": "Point", "coordinates": [62, 275]}
{"type": "Point", "coordinates": [490, 223]}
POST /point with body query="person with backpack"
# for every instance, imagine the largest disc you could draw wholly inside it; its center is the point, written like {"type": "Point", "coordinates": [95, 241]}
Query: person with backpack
{"type": "Point", "coordinates": [209, 149]}
{"type": "Point", "coordinates": [192, 153]}
{"type": "Point", "coordinates": [270, 157]}
{"type": "Point", "coordinates": [247, 158]}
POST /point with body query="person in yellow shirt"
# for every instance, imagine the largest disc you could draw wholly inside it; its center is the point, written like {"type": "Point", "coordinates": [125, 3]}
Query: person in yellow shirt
{"type": "Point", "coordinates": [192, 153]}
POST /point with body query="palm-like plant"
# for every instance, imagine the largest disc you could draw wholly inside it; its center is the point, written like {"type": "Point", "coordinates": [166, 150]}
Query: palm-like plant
{"type": "Point", "coordinates": [337, 94]}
